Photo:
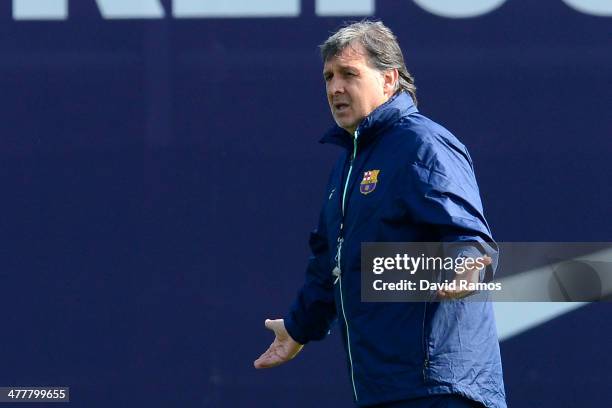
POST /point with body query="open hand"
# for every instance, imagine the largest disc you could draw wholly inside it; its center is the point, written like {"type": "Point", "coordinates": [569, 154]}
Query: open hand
{"type": "Point", "coordinates": [282, 349]}
{"type": "Point", "coordinates": [470, 276]}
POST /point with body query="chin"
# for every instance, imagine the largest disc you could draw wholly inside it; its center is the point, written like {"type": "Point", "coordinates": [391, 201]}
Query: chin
{"type": "Point", "coordinates": [345, 124]}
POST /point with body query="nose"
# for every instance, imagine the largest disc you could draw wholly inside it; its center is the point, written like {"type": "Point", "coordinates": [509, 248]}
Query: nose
{"type": "Point", "coordinates": [335, 86]}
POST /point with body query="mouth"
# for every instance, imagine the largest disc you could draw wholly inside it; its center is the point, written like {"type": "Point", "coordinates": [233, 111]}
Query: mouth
{"type": "Point", "coordinates": [340, 106]}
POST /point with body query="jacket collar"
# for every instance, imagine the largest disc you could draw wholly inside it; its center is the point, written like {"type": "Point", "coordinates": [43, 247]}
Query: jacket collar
{"type": "Point", "coordinates": [398, 106]}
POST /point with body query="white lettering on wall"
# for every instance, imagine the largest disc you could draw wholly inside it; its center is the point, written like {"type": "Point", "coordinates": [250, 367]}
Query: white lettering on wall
{"type": "Point", "coordinates": [459, 9]}
{"type": "Point", "coordinates": [131, 8]}
{"type": "Point", "coordinates": [58, 9]}
{"type": "Point", "coordinates": [235, 8]}
{"type": "Point", "coordinates": [595, 7]}
{"type": "Point", "coordinates": [344, 7]}
{"type": "Point", "coordinates": [40, 10]}
{"type": "Point", "coordinates": [143, 9]}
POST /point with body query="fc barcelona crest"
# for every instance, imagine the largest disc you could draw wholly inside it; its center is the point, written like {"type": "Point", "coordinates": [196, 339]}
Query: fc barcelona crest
{"type": "Point", "coordinates": [370, 179]}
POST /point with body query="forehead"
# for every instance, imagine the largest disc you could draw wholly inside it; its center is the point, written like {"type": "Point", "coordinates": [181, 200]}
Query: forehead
{"type": "Point", "coordinates": [351, 55]}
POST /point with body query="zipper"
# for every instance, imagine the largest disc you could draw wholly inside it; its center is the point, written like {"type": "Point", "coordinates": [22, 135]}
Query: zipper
{"type": "Point", "coordinates": [425, 348]}
{"type": "Point", "coordinates": [337, 270]}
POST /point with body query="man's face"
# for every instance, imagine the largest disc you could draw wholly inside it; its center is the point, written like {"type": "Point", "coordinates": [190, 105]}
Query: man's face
{"type": "Point", "coordinates": [354, 88]}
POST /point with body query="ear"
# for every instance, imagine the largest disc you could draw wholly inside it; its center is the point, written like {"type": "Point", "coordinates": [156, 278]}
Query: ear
{"type": "Point", "coordinates": [390, 78]}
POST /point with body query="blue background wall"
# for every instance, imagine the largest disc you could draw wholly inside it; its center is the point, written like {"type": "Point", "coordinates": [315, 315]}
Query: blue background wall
{"type": "Point", "coordinates": [160, 178]}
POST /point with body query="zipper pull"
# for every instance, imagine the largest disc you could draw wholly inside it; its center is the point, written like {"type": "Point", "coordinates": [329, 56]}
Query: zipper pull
{"type": "Point", "coordinates": [337, 271]}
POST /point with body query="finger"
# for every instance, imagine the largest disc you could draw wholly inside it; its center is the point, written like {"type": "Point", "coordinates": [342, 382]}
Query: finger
{"type": "Point", "coordinates": [484, 261]}
{"type": "Point", "coordinates": [453, 294]}
{"type": "Point", "coordinates": [277, 327]}
{"type": "Point", "coordinates": [268, 363]}
{"type": "Point", "coordinates": [272, 324]}
{"type": "Point", "coordinates": [268, 359]}
{"type": "Point", "coordinates": [449, 295]}
{"type": "Point", "coordinates": [442, 294]}
{"type": "Point", "coordinates": [263, 360]}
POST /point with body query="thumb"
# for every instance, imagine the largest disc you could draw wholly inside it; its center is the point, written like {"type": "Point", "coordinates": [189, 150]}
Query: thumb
{"type": "Point", "coordinates": [274, 325]}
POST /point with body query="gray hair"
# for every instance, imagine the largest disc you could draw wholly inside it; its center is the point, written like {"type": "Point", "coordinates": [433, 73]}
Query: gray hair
{"type": "Point", "coordinates": [380, 43]}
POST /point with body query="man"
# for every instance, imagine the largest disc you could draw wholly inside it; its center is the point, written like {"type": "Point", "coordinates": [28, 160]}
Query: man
{"type": "Point", "coordinates": [442, 353]}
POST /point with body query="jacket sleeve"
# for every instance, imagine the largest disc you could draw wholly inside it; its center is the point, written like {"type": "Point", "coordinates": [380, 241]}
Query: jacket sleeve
{"type": "Point", "coordinates": [314, 310]}
{"type": "Point", "coordinates": [441, 193]}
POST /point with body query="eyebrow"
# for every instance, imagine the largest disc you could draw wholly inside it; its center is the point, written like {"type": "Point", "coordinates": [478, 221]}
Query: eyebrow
{"type": "Point", "coordinates": [342, 68]}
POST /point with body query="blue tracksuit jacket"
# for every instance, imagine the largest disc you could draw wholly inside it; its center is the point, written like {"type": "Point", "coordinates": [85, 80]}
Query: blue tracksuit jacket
{"type": "Point", "coordinates": [425, 192]}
